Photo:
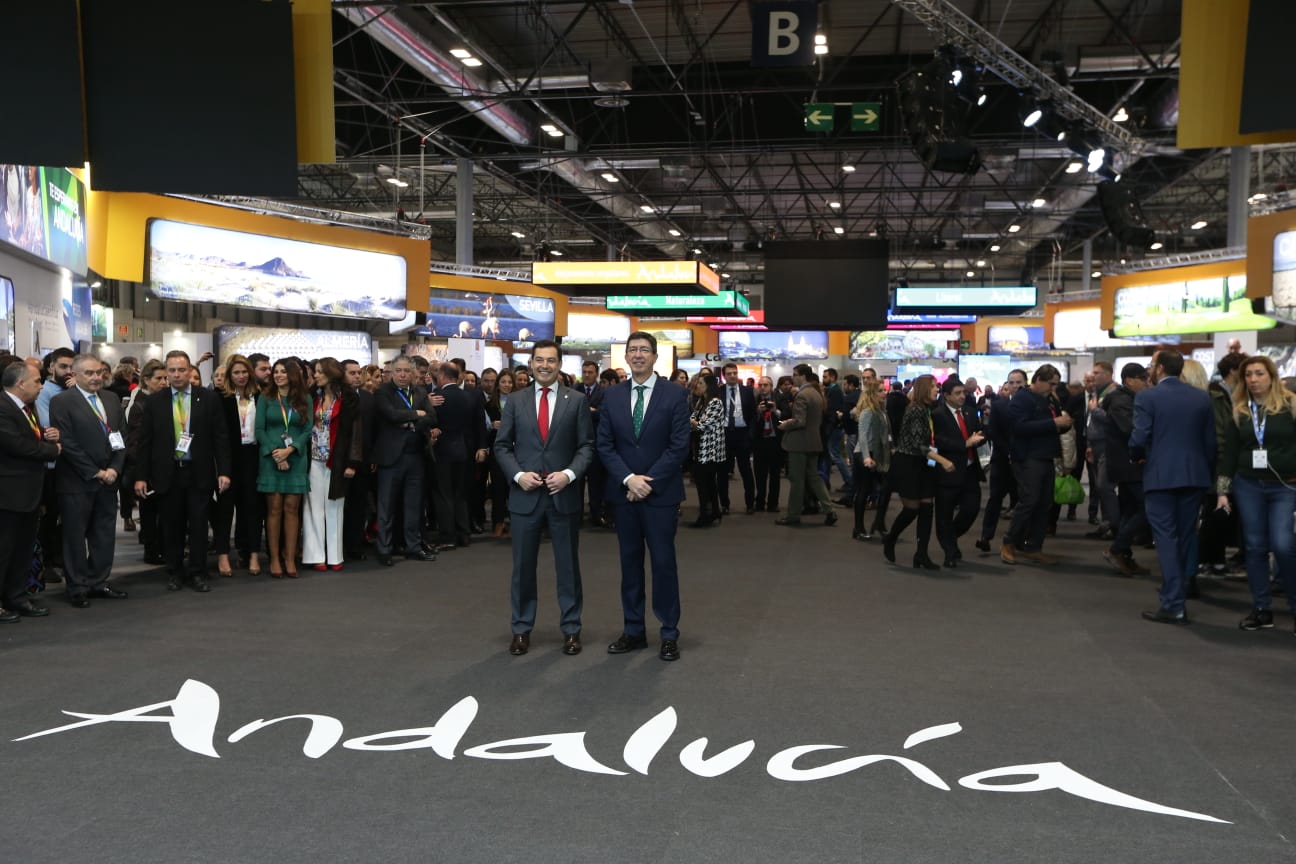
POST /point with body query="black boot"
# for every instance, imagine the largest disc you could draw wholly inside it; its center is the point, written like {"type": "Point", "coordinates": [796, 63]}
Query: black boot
{"type": "Point", "coordinates": [901, 522]}
{"type": "Point", "coordinates": [921, 558]}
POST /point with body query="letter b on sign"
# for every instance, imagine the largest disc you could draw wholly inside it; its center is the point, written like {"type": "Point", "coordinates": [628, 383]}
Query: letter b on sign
{"type": "Point", "coordinates": [783, 32]}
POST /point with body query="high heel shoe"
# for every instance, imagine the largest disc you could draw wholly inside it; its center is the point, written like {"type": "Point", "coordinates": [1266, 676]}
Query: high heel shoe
{"type": "Point", "coordinates": [225, 571]}
{"type": "Point", "coordinates": [320, 567]}
{"type": "Point", "coordinates": [255, 571]}
{"type": "Point", "coordinates": [888, 547]}
{"type": "Point", "coordinates": [289, 572]}
{"type": "Point", "coordinates": [924, 562]}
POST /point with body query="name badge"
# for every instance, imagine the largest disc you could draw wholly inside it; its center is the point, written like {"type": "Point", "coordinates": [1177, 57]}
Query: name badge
{"type": "Point", "coordinates": [182, 445]}
{"type": "Point", "coordinates": [115, 441]}
{"type": "Point", "coordinates": [1259, 459]}
{"type": "Point", "coordinates": [287, 441]}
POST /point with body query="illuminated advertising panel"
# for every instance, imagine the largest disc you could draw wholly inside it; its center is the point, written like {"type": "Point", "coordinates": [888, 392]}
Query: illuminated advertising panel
{"type": "Point", "coordinates": [476, 315]}
{"type": "Point", "coordinates": [201, 264]}
{"type": "Point", "coordinates": [8, 332]}
{"type": "Point", "coordinates": [1080, 329]}
{"type": "Point", "coordinates": [681, 339]}
{"type": "Point", "coordinates": [587, 332]}
{"type": "Point", "coordinates": [646, 277]}
{"type": "Point", "coordinates": [279, 342]}
{"type": "Point", "coordinates": [1196, 306]}
{"type": "Point", "coordinates": [967, 299]}
{"type": "Point", "coordinates": [1284, 274]}
{"type": "Point", "coordinates": [674, 304]}
{"type": "Point", "coordinates": [42, 211]}
{"type": "Point", "coordinates": [1008, 339]}
{"type": "Point", "coordinates": [773, 347]}
{"type": "Point", "coordinates": [902, 344]}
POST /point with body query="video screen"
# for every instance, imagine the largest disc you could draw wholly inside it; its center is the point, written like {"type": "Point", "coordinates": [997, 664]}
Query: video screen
{"type": "Point", "coordinates": [1284, 275]}
{"type": "Point", "coordinates": [902, 344]}
{"type": "Point", "coordinates": [279, 342]}
{"type": "Point", "coordinates": [587, 332]}
{"type": "Point", "coordinates": [988, 369]}
{"type": "Point", "coordinates": [473, 315]}
{"type": "Point", "coordinates": [42, 211]}
{"type": "Point", "coordinates": [773, 347]}
{"type": "Point", "coordinates": [8, 333]}
{"type": "Point", "coordinates": [1012, 339]}
{"type": "Point", "coordinates": [679, 338]}
{"type": "Point", "coordinates": [200, 264]}
{"type": "Point", "coordinates": [1080, 329]}
{"type": "Point", "coordinates": [1199, 306]}
{"type": "Point", "coordinates": [829, 284]}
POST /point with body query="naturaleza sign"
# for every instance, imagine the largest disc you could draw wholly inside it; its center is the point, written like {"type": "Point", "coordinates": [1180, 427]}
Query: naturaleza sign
{"type": "Point", "coordinates": [192, 715]}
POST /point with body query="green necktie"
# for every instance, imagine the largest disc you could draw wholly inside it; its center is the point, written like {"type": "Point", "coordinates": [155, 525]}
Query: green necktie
{"type": "Point", "coordinates": [637, 416]}
{"type": "Point", "coordinates": [178, 419]}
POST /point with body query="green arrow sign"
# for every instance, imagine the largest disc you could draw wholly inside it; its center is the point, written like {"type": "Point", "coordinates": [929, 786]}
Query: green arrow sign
{"type": "Point", "coordinates": [725, 301]}
{"type": "Point", "coordinates": [866, 116]}
{"type": "Point", "coordinates": [819, 117]}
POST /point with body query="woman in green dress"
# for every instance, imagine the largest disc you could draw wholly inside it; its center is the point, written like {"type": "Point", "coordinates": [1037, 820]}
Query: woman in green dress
{"type": "Point", "coordinates": [282, 433]}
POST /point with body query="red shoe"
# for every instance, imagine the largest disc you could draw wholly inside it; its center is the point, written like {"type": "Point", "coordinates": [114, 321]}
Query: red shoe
{"type": "Point", "coordinates": [320, 567]}
{"type": "Point", "coordinates": [335, 567]}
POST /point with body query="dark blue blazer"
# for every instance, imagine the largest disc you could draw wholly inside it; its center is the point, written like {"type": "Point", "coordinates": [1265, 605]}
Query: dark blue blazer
{"type": "Point", "coordinates": [1174, 430]}
{"type": "Point", "coordinates": [659, 451]}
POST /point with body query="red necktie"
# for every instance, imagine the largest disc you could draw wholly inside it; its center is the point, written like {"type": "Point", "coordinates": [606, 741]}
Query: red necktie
{"type": "Point", "coordinates": [958, 415]}
{"type": "Point", "coordinates": [543, 415]}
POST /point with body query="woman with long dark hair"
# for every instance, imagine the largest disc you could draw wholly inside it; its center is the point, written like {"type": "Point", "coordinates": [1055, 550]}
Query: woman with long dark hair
{"type": "Point", "coordinates": [499, 488]}
{"type": "Point", "coordinates": [283, 425]}
{"type": "Point", "coordinates": [336, 450]}
{"type": "Point", "coordinates": [913, 471]}
{"type": "Point", "coordinates": [239, 398]}
{"type": "Point", "coordinates": [707, 419]}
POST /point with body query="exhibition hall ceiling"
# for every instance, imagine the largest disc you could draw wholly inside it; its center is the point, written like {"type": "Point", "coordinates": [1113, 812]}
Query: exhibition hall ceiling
{"type": "Point", "coordinates": [664, 138]}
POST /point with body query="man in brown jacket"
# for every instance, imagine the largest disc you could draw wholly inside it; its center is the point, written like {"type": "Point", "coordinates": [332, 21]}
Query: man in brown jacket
{"type": "Point", "coordinates": [802, 441]}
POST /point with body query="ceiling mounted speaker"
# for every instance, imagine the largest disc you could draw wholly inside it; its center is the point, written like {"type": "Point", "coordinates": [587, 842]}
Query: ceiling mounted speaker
{"type": "Point", "coordinates": [1123, 214]}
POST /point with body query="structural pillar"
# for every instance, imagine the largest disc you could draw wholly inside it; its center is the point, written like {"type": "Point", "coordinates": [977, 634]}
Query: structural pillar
{"type": "Point", "coordinates": [1239, 190]}
{"type": "Point", "coordinates": [1086, 278]}
{"type": "Point", "coordinates": [464, 212]}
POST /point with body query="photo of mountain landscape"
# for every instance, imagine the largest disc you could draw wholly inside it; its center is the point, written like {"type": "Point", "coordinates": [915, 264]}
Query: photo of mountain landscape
{"type": "Point", "coordinates": [214, 265]}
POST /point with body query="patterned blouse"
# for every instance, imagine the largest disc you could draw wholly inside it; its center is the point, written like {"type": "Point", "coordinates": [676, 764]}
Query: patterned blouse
{"type": "Point", "coordinates": [915, 437]}
{"type": "Point", "coordinates": [710, 431]}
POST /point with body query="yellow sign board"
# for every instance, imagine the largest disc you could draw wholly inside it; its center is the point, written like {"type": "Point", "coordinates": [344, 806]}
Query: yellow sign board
{"type": "Point", "coordinates": [622, 273]}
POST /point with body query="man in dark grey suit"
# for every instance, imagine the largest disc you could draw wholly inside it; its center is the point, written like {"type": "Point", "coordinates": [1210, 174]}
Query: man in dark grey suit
{"type": "Point", "coordinates": [93, 428]}
{"type": "Point", "coordinates": [544, 445]}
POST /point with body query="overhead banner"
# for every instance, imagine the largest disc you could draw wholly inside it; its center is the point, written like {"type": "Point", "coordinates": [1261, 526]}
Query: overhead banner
{"type": "Point", "coordinates": [595, 278]}
{"type": "Point", "coordinates": [672, 304]}
{"type": "Point", "coordinates": [783, 32]}
{"type": "Point", "coordinates": [972, 299]}
{"type": "Point", "coordinates": [1211, 305]}
{"type": "Point", "coordinates": [42, 211]}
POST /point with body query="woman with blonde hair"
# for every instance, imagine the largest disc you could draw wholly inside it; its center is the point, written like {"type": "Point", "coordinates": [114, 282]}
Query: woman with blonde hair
{"type": "Point", "coordinates": [1258, 465]}
{"type": "Point", "coordinates": [913, 471]}
{"type": "Point", "coordinates": [239, 401]}
{"type": "Point", "coordinates": [872, 457]}
{"type": "Point", "coordinates": [1194, 373]}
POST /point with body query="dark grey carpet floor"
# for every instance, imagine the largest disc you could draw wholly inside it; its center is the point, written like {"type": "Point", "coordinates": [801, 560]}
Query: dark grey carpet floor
{"type": "Point", "coordinates": [791, 637]}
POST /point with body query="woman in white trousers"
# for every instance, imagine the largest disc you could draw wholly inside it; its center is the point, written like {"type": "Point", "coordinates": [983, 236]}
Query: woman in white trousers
{"type": "Point", "coordinates": [336, 446]}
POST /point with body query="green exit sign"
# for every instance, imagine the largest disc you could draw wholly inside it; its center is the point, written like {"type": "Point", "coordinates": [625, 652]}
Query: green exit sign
{"type": "Point", "coordinates": [866, 116]}
{"type": "Point", "coordinates": [819, 116]}
{"type": "Point", "coordinates": [729, 302]}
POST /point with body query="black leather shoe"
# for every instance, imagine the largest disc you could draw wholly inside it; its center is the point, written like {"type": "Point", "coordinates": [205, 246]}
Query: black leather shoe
{"type": "Point", "coordinates": [108, 593]}
{"type": "Point", "coordinates": [724, 509]}
{"type": "Point", "coordinates": [950, 563]}
{"type": "Point", "coordinates": [7, 617]}
{"type": "Point", "coordinates": [1165, 616]}
{"type": "Point", "coordinates": [983, 544]}
{"type": "Point", "coordinates": [157, 559]}
{"type": "Point", "coordinates": [199, 584]}
{"type": "Point", "coordinates": [831, 519]}
{"type": "Point", "coordinates": [420, 555]}
{"type": "Point", "coordinates": [173, 583]}
{"type": "Point", "coordinates": [922, 562]}
{"type": "Point", "coordinates": [386, 560]}
{"type": "Point", "coordinates": [78, 601]}
{"type": "Point", "coordinates": [626, 643]}
{"type": "Point", "coordinates": [446, 547]}
{"type": "Point", "coordinates": [750, 510]}
{"type": "Point", "coordinates": [571, 643]}
{"type": "Point", "coordinates": [786, 521]}
{"type": "Point", "coordinates": [28, 609]}
{"type": "Point", "coordinates": [669, 649]}
{"type": "Point", "coordinates": [520, 645]}
{"type": "Point", "coordinates": [888, 548]}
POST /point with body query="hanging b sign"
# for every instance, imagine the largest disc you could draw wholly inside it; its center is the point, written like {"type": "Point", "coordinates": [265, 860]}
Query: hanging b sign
{"type": "Point", "coordinates": [783, 32]}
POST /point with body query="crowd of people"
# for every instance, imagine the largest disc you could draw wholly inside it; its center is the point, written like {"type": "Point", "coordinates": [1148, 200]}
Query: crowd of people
{"type": "Point", "coordinates": [319, 462]}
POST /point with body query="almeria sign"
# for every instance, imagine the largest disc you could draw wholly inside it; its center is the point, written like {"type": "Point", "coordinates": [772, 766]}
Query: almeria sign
{"type": "Point", "coordinates": [192, 716]}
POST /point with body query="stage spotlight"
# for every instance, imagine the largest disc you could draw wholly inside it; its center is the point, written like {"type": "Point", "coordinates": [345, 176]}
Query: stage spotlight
{"type": "Point", "coordinates": [935, 119]}
{"type": "Point", "coordinates": [1123, 214]}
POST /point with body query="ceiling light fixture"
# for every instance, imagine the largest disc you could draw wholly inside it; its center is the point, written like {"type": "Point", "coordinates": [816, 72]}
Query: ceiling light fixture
{"type": "Point", "coordinates": [472, 62]}
{"type": "Point", "coordinates": [821, 39]}
{"type": "Point", "coordinates": [1121, 115]}
{"type": "Point", "coordinates": [836, 205]}
{"type": "Point", "coordinates": [970, 274]}
{"type": "Point", "coordinates": [837, 229]}
{"type": "Point", "coordinates": [557, 252]}
{"type": "Point", "coordinates": [995, 248]}
{"type": "Point", "coordinates": [1039, 202]}
{"type": "Point", "coordinates": [517, 234]}
{"type": "Point", "coordinates": [672, 232]}
{"type": "Point", "coordinates": [1095, 159]}
{"type": "Point", "coordinates": [821, 50]}
{"type": "Point", "coordinates": [461, 53]}
{"type": "Point", "coordinates": [1199, 224]}
{"type": "Point", "coordinates": [647, 208]}
{"type": "Point", "coordinates": [981, 262]}
{"type": "Point", "coordinates": [697, 251]}
{"type": "Point", "coordinates": [981, 99]}
{"type": "Point", "coordinates": [1157, 245]}
{"type": "Point", "coordinates": [397, 182]}
{"type": "Point", "coordinates": [1096, 274]}
{"type": "Point", "coordinates": [1074, 167]}
{"type": "Point", "coordinates": [849, 169]}
{"type": "Point", "coordinates": [1014, 228]}
{"type": "Point", "coordinates": [610, 177]}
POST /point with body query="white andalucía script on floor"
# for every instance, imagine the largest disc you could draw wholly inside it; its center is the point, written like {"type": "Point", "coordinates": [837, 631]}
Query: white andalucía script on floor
{"type": "Point", "coordinates": [194, 712]}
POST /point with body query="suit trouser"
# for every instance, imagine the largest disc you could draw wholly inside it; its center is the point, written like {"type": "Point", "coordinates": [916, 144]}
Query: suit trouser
{"type": "Point", "coordinates": [836, 441]}
{"type": "Point", "coordinates": [1102, 492]}
{"type": "Point", "coordinates": [738, 448]}
{"type": "Point", "coordinates": [51, 529]}
{"type": "Point", "coordinates": [17, 541]}
{"type": "Point", "coordinates": [1001, 483]}
{"type": "Point", "coordinates": [321, 519]}
{"type": "Point", "coordinates": [1034, 504]}
{"type": "Point", "coordinates": [89, 537]}
{"type": "Point", "coordinates": [963, 500]}
{"type": "Point", "coordinates": [182, 512]}
{"type": "Point", "coordinates": [564, 529]}
{"type": "Point", "coordinates": [1133, 517]}
{"type": "Point", "coordinates": [355, 510]}
{"type": "Point", "coordinates": [596, 479]}
{"type": "Point", "coordinates": [767, 459]}
{"type": "Point", "coordinates": [400, 485]}
{"type": "Point", "coordinates": [452, 501]}
{"type": "Point", "coordinates": [1172, 515]}
{"type": "Point", "coordinates": [242, 496]}
{"type": "Point", "coordinates": [803, 480]}
{"type": "Point", "coordinates": [640, 525]}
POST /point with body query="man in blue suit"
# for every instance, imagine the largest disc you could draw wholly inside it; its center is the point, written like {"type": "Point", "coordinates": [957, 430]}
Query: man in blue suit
{"type": "Point", "coordinates": [643, 439]}
{"type": "Point", "coordinates": [1174, 433]}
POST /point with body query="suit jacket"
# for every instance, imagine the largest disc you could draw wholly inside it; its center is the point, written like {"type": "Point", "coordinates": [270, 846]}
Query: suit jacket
{"type": "Point", "coordinates": [368, 424]}
{"type": "Point", "coordinates": [1174, 429]}
{"type": "Point", "coordinates": [209, 450]}
{"type": "Point", "coordinates": [570, 445]}
{"type": "Point", "coordinates": [805, 434]}
{"type": "Point", "coordinates": [746, 404]}
{"type": "Point", "coordinates": [86, 450]}
{"type": "Point", "coordinates": [658, 451]}
{"type": "Point", "coordinates": [457, 420]}
{"type": "Point", "coordinates": [951, 444]}
{"type": "Point", "coordinates": [393, 418]}
{"type": "Point", "coordinates": [1118, 409]}
{"type": "Point", "coordinates": [22, 460]}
